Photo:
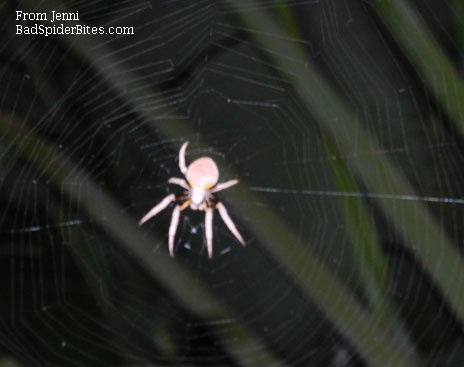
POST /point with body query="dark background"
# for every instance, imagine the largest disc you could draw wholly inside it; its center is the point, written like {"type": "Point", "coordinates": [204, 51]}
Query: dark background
{"type": "Point", "coordinates": [343, 121]}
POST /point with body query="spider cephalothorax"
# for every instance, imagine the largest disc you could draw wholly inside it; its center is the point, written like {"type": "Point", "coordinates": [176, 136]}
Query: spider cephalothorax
{"type": "Point", "coordinates": [202, 182]}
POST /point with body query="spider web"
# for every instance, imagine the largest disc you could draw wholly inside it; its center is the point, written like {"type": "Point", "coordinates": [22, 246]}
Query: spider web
{"type": "Point", "coordinates": [352, 219]}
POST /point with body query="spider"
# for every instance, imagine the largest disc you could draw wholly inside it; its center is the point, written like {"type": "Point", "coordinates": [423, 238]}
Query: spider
{"type": "Point", "coordinates": [202, 182]}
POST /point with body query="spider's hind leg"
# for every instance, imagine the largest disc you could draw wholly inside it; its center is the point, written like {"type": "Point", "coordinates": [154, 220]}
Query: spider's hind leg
{"type": "Point", "coordinates": [182, 165]}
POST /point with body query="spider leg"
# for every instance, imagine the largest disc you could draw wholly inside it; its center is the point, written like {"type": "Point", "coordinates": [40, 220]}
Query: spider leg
{"type": "Point", "coordinates": [185, 205]}
{"type": "Point", "coordinates": [229, 223]}
{"type": "Point", "coordinates": [180, 182]}
{"type": "Point", "coordinates": [224, 185]}
{"type": "Point", "coordinates": [157, 208]}
{"type": "Point", "coordinates": [173, 228]}
{"type": "Point", "coordinates": [209, 231]}
{"type": "Point", "coordinates": [182, 166]}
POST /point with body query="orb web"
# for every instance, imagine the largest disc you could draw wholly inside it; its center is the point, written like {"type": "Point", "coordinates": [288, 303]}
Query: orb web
{"type": "Point", "coordinates": [91, 126]}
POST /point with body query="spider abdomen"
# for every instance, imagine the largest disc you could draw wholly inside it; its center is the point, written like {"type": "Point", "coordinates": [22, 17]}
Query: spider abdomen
{"type": "Point", "coordinates": [202, 173]}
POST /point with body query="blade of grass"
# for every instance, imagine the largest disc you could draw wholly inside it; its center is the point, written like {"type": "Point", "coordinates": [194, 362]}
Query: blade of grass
{"type": "Point", "coordinates": [426, 55]}
{"type": "Point", "coordinates": [459, 6]}
{"type": "Point", "coordinates": [372, 264]}
{"type": "Point", "coordinates": [366, 244]}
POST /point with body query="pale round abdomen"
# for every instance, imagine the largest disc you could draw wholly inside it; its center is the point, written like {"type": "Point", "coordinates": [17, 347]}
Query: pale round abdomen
{"type": "Point", "coordinates": [203, 173]}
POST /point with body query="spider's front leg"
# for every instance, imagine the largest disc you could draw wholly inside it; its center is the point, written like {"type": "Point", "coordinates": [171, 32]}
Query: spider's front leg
{"type": "Point", "coordinates": [157, 208]}
{"type": "Point", "coordinates": [229, 223]}
{"type": "Point", "coordinates": [173, 228]}
{"type": "Point", "coordinates": [174, 223]}
{"type": "Point", "coordinates": [209, 230]}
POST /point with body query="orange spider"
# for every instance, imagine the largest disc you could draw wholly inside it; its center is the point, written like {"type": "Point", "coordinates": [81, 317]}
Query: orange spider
{"type": "Point", "coordinates": [202, 176]}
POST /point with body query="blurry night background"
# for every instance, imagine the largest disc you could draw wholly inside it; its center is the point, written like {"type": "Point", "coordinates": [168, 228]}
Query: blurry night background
{"type": "Point", "coordinates": [343, 120]}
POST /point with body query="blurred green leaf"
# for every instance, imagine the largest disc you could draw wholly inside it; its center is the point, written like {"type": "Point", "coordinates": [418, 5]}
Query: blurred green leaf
{"type": "Point", "coordinates": [438, 72]}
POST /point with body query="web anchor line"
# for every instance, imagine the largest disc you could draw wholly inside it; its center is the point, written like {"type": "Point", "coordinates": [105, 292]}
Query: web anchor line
{"type": "Point", "coordinates": [369, 195]}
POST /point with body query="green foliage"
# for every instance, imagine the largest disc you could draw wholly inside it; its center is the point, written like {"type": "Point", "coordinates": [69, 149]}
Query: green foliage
{"type": "Point", "coordinates": [119, 302]}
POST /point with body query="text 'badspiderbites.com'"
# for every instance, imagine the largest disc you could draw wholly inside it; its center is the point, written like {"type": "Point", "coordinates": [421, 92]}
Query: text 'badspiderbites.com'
{"type": "Point", "coordinates": [35, 25]}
